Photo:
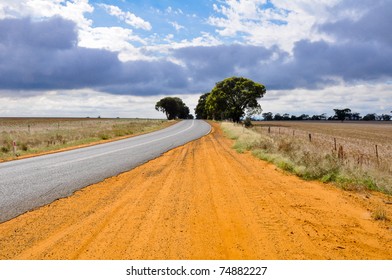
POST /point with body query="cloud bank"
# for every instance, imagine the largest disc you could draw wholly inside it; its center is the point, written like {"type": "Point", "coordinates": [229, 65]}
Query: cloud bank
{"type": "Point", "coordinates": [290, 46]}
{"type": "Point", "coordinates": [45, 55]}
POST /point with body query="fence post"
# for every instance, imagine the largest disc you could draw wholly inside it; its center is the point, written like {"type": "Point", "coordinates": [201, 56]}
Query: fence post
{"type": "Point", "coordinates": [269, 129]}
{"type": "Point", "coordinates": [310, 137]}
{"type": "Point", "coordinates": [334, 140]}
{"type": "Point", "coordinates": [14, 147]}
{"type": "Point", "coordinates": [341, 153]}
{"type": "Point", "coordinates": [378, 162]}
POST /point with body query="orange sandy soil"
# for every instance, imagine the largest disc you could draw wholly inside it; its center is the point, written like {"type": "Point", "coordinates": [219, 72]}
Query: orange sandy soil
{"type": "Point", "coordinates": [203, 201]}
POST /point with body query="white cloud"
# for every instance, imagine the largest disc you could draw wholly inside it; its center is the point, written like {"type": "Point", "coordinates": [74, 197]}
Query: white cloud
{"type": "Point", "coordinates": [115, 39]}
{"type": "Point", "coordinates": [170, 10]}
{"type": "Point", "coordinates": [300, 101]}
{"type": "Point", "coordinates": [127, 17]}
{"type": "Point", "coordinates": [80, 103]}
{"type": "Point", "coordinates": [205, 39]}
{"type": "Point", "coordinates": [73, 9]}
{"type": "Point", "coordinates": [169, 38]}
{"type": "Point", "coordinates": [283, 24]}
{"type": "Point", "coordinates": [177, 26]}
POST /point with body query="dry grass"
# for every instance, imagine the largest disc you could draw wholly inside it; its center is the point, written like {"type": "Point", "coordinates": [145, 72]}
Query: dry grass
{"type": "Point", "coordinates": [380, 214]}
{"type": "Point", "coordinates": [362, 145]}
{"type": "Point", "coordinates": [379, 132]}
{"type": "Point", "coordinates": [36, 135]}
{"type": "Point", "coordinates": [353, 164]}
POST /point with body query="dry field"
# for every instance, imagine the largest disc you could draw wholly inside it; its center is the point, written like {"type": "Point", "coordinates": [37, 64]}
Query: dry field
{"type": "Point", "coordinates": [204, 201]}
{"type": "Point", "coordinates": [363, 148]}
{"type": "Point", "coordinates": [37, 135]}
{"type": "Point", "coordinates": [357, 139]}
{"type": "Point", "coordinates": [379, 132]}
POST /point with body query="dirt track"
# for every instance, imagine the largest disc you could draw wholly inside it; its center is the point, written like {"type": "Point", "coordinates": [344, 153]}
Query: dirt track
{"type": "Point", "coordinates": [203, 201]}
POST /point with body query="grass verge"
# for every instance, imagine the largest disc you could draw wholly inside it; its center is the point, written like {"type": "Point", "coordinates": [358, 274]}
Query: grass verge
{"type": "Point", "coordinates": [306, 160]}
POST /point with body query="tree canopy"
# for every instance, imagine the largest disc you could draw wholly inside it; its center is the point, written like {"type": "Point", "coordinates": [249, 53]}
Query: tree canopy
{"type": "Point", "coordinates": [342, 114]}
{"type": "Point", "coordinates": [233, 98]}
{"type": "Point", "coordinates": [173, 107]}
{"type": "Point", "coordinates": [268, 116]}
{"type": "Point", "coordinates": [200, 110]}
{"type": "Point", "coordinates": [369, 117]}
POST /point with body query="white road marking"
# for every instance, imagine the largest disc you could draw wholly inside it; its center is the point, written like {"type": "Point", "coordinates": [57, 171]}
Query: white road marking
{"type": "Point", "coordinates": [122, 149]}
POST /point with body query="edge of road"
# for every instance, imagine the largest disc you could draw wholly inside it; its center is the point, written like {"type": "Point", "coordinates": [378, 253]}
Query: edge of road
{"type": "Point", "coordinates": [86, 145]}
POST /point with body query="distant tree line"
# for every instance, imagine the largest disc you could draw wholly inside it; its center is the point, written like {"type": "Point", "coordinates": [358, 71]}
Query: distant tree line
{"type": "Point", "coordinates": [340, 114]}
{"type": "Point", "coordinates": [236, 99]}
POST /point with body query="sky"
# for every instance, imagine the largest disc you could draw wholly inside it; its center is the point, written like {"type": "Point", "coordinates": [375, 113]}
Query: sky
{"type": "Point", "coordinates": [117, 58]}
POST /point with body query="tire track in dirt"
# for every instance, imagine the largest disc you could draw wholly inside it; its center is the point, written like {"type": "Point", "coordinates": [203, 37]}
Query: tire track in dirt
{"type": "Point", "coordinates": [203, 201]}
{"type": "Point", "coordinates": [241, 239]}
{"type": "Point", "coordinates": [276, 222]}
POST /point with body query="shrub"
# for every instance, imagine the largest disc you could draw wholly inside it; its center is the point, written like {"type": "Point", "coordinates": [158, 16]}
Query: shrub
{"type": "Point", "coordinates": [24, 147]}
{"type": "Point", "coordinates": [104, 136]}
{"type": "Point", "coordinates": [286, 146]}
{"type": "Point", "coordinates": [286, 165]}
{"type": "Point", "coordinates": [5, 149]}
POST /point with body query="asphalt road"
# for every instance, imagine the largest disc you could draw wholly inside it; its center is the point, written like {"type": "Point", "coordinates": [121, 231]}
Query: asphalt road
{"type": "Point", "coordinates": [29, 183]}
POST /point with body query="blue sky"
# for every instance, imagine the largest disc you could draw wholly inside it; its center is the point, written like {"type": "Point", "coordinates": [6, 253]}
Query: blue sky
{"type": "Point", "coordinates": [190, 15]}
{"type": "Point", "coordinates": [118, 58]}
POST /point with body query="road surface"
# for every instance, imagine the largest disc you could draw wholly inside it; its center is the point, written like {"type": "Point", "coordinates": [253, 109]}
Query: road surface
{"type": "Point", "coordinates": [29, 183]}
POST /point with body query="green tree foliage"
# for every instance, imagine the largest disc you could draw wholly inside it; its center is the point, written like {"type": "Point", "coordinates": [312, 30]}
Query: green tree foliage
{"type": "Point", "coordinates": [342, 114]}
{"type": "Point", "coordinates": [286, 117]}
{"type": "Point", "coordinates": [369, 117]}
{"type": "Point", "coordinates": [173, 107]}
{"type": "Point", "coordinates": [234, 97]}
{"type": "Point", "coordinates": [319, 117]}
{"type": "Point", "coordinates": [268, 116]}
{"type": "Point", "coordinates": [183, 110]}
{"type": "Point", "coordinates": [200, 110]}
{"type": "Point", "coordinates": [356, 116]}
{"type": "Point", "coordinates": [278, 117]}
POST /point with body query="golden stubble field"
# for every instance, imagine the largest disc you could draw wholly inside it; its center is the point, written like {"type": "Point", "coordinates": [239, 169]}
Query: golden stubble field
{"type": "Point", "coordinates": [40, 135]}
{"type": "Point", "coordinates": [371, 132]}
{"type": "Point", "coordinates": [361, 137]}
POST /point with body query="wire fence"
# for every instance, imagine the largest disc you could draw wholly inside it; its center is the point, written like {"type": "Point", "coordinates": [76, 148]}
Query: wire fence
{"type": "Point", "coordinates": [351, 151]}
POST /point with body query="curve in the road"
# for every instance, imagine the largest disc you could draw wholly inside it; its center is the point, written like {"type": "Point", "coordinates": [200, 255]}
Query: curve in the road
{"type": "Point", "coordinates": [29, 183]}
